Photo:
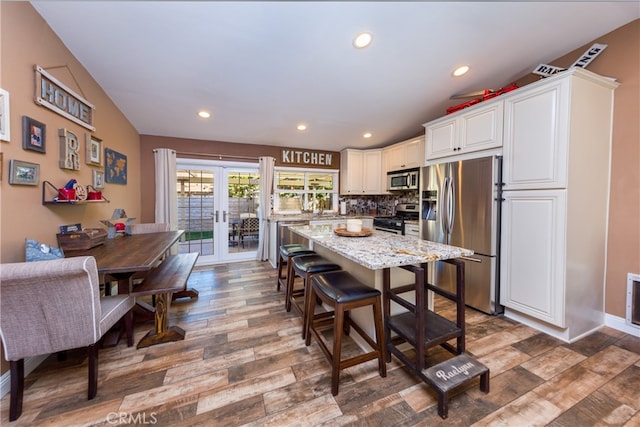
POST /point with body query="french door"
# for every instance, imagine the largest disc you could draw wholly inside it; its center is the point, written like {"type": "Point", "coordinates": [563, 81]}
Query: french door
{"type": "Point", "coordinates": [218, 209]}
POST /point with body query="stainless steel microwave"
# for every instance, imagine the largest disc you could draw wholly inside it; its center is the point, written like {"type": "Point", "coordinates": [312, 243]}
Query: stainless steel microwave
{"type": "Point", "coordinates": [403, 180]}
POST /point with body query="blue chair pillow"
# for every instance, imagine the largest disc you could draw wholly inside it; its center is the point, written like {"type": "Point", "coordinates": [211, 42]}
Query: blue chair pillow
{"type": "Point", "coordinates": [36, 251]}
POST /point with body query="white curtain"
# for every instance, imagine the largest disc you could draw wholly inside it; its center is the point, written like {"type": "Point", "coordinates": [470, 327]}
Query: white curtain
{"type": "Point", "coordinates": [166, 202]}
{"type": "Point", "coordinates": [264, 208]}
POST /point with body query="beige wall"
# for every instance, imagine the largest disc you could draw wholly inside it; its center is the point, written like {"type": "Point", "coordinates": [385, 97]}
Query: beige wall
{"type": "Point", "coordinates": [26, 40]}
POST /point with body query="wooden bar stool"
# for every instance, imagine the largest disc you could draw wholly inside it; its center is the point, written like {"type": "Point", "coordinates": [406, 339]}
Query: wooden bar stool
{"type": "Point", "coordinates": [287, 251]}
{"type": "Point", "coordinates": [343, 292]}
{"type": "Point", "coordinates": [304, 266]}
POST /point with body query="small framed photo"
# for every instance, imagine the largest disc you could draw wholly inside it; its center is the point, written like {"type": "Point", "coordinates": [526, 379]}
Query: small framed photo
{"type": "Point", "coordinates": [93, 153]}
{"type": "Point", "coordinates": [98, 179]}
{"type": "Point", "coordinates": [5, 120]}
{"type": "Point", "coordinates": [23, 173]}
{"type": "Point", "coordinates": [34, 135]}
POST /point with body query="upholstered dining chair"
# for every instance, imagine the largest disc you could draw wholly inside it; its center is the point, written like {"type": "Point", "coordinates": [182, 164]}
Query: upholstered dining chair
{"type": "Point", "coordinates": [149, 227]}
{"type": "Point", "coordinates": [52, 306]}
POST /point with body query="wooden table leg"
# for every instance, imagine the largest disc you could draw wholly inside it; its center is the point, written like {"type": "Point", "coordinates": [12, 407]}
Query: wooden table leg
{"type": "Point", "coordinates": [162, 333]}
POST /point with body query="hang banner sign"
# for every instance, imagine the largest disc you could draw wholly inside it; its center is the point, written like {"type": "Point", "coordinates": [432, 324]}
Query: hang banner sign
{"type": "Point", "coordinates": [54, 95]}
{"type": "Point", "coordinates": [582, 62]}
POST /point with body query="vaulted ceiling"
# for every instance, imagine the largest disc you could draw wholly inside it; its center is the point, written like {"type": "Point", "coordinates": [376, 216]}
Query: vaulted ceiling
{"type": "Point", "coordinates": [262, 68]}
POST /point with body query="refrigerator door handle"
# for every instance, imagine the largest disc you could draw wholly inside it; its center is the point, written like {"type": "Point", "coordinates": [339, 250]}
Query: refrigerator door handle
{"type": "Point", "coordinates": [444, 210]}
{"type": "Point", "coordinates": [466, 258]}
{"type": "Point", "coordinates": [451, 204]}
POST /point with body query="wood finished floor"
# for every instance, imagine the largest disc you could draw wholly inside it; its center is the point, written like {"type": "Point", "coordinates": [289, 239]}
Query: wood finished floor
{"type": "Point", "coordinates": [243, 363]}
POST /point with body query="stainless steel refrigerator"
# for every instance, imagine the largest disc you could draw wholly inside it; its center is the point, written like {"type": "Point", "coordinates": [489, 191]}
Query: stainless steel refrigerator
{"type": "Point", "coordinates": [460, 207]}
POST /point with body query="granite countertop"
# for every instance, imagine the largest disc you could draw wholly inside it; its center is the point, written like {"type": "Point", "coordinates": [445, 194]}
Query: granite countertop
{"type": "Point", "coordinates": [313, 217]}
{"type": "Point", "coordinates": [381, 249]}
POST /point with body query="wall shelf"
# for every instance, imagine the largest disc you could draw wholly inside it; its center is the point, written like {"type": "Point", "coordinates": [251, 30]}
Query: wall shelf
{"type": "Point", "coordinates": [54, 199]}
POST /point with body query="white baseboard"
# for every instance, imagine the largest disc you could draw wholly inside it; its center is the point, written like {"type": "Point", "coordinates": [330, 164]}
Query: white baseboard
{"type": "Point", "coordinates": [620, 324]}
{"type": "Point", "coordinates": [30, 365]}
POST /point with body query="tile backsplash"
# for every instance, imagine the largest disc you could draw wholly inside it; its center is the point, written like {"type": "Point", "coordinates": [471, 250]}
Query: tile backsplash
{"type": "Point", "coordinates": [383, 205]}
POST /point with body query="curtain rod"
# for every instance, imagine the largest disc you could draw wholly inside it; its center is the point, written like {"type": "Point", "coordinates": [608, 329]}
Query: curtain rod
{"type": "Point", "coordinates": [219, 156]}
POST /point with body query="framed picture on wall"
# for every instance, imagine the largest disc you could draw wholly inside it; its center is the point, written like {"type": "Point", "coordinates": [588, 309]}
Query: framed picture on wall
{"type": "Point", "coordinates": [98, 179]}
{"type": "Point", "coordinates": [34, 135]}
{"type": "Point", "coordinates": [5, 120]}
{"type": "Point", "coordinates": [23, 173]}
{"type": "Point", "coordinates": [93, 150]}
{"type": "Point", "coordinates": [115, 167]}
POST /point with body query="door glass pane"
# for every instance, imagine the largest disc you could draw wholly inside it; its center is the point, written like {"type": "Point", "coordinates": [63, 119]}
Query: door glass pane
{"type": "Point", "coordinates": [195, 210]}
{"type": "Point", "coordinates": [243, 189]}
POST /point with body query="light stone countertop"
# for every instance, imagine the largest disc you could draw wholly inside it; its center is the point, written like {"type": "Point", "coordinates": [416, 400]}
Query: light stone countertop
{"type": "Point", "coordinates": [314, 217]}
{"type": "Point", "coordinates": [381, 249]}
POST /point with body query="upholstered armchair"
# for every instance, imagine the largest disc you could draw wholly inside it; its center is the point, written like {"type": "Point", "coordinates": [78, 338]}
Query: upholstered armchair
{"type": "Point", "coordinates": [52, 306]}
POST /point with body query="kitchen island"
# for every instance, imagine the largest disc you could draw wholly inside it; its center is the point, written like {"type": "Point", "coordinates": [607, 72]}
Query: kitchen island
{"type": "Point", "coordinates": [395, 265]}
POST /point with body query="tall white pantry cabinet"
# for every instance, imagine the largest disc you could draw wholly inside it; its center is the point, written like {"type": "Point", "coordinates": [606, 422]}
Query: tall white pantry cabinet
{"type": "Point", "coordinates": [556, 173]}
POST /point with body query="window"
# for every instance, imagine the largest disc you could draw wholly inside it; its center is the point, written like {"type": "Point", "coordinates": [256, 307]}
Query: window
{"type": "Point", "coordinates": [305, 190]}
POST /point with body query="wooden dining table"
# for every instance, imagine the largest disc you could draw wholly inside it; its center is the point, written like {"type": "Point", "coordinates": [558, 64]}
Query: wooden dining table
{"type": "Point", "coordinates": [124, 256]}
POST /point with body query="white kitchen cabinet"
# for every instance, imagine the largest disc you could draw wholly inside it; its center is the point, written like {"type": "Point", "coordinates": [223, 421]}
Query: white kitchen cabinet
{"type": "Point", "coordinates": [536, 126]}
{"type": "Point", "coordinates": [372, 175]}
{"type": "Point", "coordinates": [554, 217]}
{"type": "Point", "coordinates": [404, 155]}
{"type": "Point", "coordinates": [361, 172]}
{"type": "Point", "coordinates": [534, 246]}
{"type": "Point", "coordinates": [478, 128]}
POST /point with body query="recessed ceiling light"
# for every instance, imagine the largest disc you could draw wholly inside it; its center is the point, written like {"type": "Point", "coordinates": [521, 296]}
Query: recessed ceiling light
{"type": "Point", "coordinates": [460, 71]}
{"type": "Point", "coordinates": [301, 127]}
{"type": "Point", "coordinates": [367, 135]}
{"type": "Point", "coordinates": [362, 40]}
{"type": "Point", "coordinates": [204, 114]}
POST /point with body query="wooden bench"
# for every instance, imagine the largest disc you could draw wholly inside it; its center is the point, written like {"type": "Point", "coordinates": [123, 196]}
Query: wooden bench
{"type": "Point", "coordinates": [169, 277]}
{"type": "Point", "coordinates": [447, 375]}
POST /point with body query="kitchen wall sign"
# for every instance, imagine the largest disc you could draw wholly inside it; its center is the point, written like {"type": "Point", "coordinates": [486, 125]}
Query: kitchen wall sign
{"type": "Point", "coordinates": [54, 95]}
{"type": "Point", "coordinates": [306, 158]}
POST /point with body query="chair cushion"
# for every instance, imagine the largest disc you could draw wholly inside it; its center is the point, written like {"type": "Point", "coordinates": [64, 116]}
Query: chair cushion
{"type": "Point", "coordinates": [342, 287]}
{"type": "Point", "coordinates": [113, 308]}
{"type": "Point", "coordinates": [313, 264]}
{"type": "Point", "coordinates": [296, 252]}
{"type": "Point", "coordinates": [287, 250]}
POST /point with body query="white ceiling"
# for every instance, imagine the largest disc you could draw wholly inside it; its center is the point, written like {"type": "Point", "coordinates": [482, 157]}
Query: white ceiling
{"type": "Point", "coordinates": [263, 67]}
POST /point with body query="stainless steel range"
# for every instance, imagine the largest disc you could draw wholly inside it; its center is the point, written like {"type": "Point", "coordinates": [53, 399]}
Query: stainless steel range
{"type": "Point", "coordinates": [396, 224]}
